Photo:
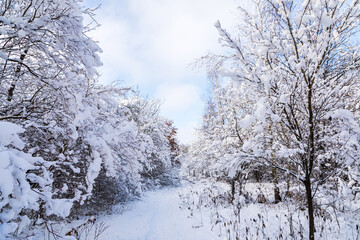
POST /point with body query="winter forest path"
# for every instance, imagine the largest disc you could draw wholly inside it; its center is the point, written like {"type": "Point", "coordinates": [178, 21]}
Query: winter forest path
{"type": "Point", "coordinates": [156, 216]}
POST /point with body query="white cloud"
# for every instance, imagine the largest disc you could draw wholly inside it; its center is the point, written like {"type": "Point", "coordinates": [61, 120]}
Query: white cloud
{"type": "Point", "coordinates": [182, 104]}
{"type": "Point", "coordinates": [150, 43]}
{"type": "Point", "coordinates": [187, 132]}
{"type": "Point", "coordinates": [152, 40]}
{"type": "Point", "coordinates": [178, 97]}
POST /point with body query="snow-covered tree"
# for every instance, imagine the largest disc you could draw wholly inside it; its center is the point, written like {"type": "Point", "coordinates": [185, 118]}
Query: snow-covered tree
{"type": "Point", "coordinates": [216, 153]}
{"type": "Point", "coordinates": [157, 137]}
{"type": "Point", "coordinates": [47, 71]}
{"type": "Point", "coordinates": [80, 141]}
{"type": "Point", "coordinates": [297, 63]}
{"type": "Point", "coordinates": [130, 138]}
{"type": "Point", "coordinates": [44, 54]}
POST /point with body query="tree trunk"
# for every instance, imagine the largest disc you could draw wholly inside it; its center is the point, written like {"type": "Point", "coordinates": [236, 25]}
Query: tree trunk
{"type": "Point", "coordinates": [17, 76]}
{"type": "Point", "coordinates": [233, 184]}
{"type": "Point", "coordinates": [309, 163]}
{"type": "Point", "coordinates": [310, 208]}
{"type": "Point", "coordinates": [277, 196]}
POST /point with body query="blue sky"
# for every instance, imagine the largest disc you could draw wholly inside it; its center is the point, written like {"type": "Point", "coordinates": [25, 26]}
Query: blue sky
{"type": "Point", "coordinates": [151, 43]}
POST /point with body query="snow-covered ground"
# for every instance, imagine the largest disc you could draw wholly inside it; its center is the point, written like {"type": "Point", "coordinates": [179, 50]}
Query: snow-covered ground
{"type": "Point", "coordinates": [157, 216]}
{"type": "Point", "coordinates": [164, 215]}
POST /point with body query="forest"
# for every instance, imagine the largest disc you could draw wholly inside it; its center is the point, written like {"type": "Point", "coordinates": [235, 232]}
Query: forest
{"type": "Point", "coordinates": [277, 155]}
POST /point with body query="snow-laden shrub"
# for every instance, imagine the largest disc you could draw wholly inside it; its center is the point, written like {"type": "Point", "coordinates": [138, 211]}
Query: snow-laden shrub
{"type": "Point", "coordinates": [15, 190]}
{"type": "Point", "coordinates": [21, 190]}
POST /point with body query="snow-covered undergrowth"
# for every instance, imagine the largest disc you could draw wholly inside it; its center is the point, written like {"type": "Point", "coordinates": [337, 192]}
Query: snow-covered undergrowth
{"type": "Point", "coordinates": [246, 218]}
{"type": "Point", "coordinates": [205, 211]}
{"type": "Point", "coordinates": [17, 181]}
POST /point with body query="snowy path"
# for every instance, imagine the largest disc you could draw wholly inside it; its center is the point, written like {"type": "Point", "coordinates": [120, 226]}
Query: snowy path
{"type": "Point", "coordinates": [156, 217]}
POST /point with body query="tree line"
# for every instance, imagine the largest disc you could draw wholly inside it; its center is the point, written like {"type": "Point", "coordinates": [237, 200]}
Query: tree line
{"type": "Point", "coordinates": [284, 104]}
{"type": "Point", "coordinates": [69, 146]}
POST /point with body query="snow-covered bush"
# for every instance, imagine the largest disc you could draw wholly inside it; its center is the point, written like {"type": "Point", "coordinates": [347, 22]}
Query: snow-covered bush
{"type": "Point", "coordinates": [25, 184]}
{"type": "Point", "coordinates": [15, 190]}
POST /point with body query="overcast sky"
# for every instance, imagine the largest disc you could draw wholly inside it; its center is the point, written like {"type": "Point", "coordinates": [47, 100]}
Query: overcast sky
{"type": "Point", "coordinates": [150, 44]}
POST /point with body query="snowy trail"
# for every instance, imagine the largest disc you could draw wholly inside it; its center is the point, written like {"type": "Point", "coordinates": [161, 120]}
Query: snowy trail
{"type": "Point", "coordinates": [156, 217]}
